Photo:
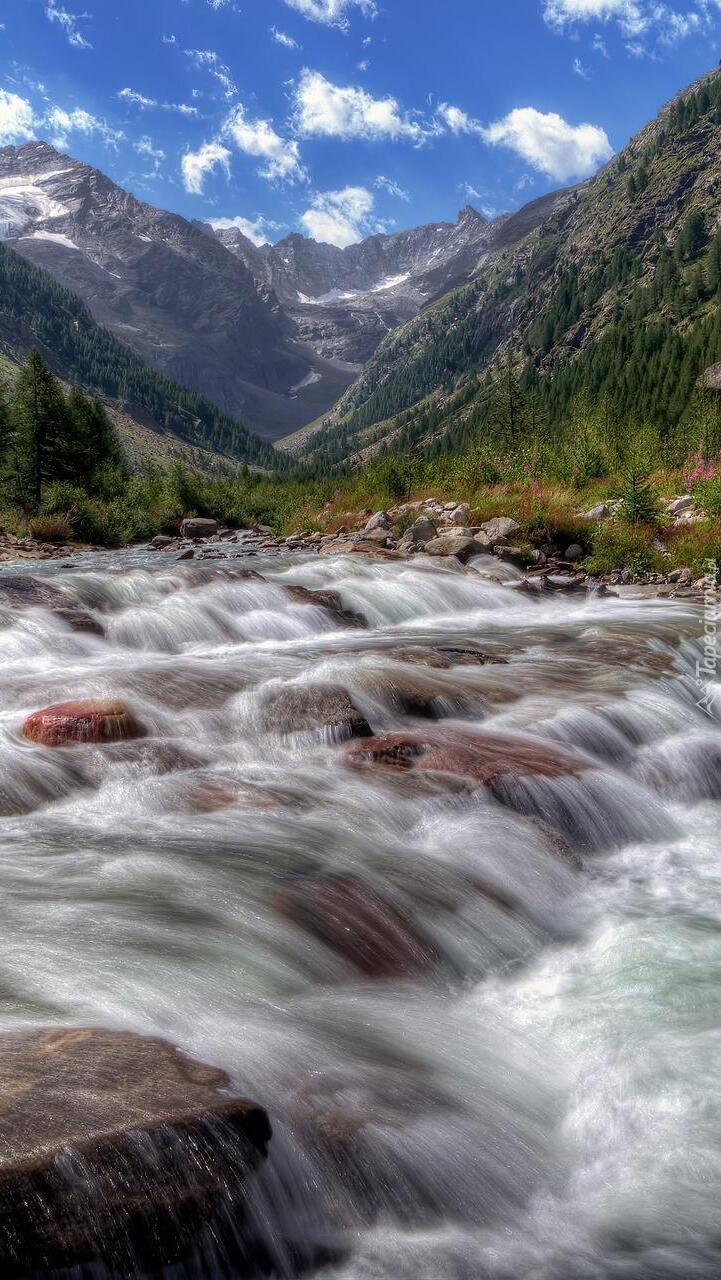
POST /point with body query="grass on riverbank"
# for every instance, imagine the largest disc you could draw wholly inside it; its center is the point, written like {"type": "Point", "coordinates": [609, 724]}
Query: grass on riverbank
{"type": "Point", "coordinates": [133, 509]}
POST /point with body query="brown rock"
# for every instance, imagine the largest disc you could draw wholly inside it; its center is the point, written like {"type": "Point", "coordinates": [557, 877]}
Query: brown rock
{"type": "Point", "coordinates": [113, 1145]}
{"type": "Point", "coordinates": [314, 706]}
{"type": "Point", "coordinates": [87, 720]}
{"type": "Point", "coordinates": [329, 600]}
{"type": "Point", "coordinates": [359, 925]}
{"type": "Point", "coordinates": [483, 758]}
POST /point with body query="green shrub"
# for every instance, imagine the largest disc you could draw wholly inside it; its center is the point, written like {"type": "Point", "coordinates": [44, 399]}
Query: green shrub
{"type": "Point", "coordinates": [620, 544]}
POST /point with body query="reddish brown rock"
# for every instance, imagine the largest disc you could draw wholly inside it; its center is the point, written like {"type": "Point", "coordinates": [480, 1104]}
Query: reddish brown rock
{"type": "Point", "coordinates": [358, 925]}
{"type": "Point", "coordinates": [482, 758]}
{"type": "Point", "coordinates": [87, 720]}
{"type": "Point", "coordinates": [113, 1145]}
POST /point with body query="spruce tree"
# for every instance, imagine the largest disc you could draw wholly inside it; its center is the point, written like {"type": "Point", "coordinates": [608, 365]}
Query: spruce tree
{"type": "Point", "coordinates": [39, 426]}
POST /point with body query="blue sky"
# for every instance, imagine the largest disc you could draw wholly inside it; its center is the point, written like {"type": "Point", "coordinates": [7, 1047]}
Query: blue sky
{"type": "Point", "coordinates": [338, 118]}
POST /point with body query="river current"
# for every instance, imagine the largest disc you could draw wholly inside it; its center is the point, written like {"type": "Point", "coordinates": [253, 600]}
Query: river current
{"type": "Point", "coordinates": [536, 1095]}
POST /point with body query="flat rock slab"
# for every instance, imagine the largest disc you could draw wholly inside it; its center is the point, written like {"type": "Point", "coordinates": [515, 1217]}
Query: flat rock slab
{"type": "Point", "coordinates": [112, 1144]}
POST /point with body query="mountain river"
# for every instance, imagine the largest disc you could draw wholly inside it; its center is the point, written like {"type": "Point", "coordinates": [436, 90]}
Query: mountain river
{"type": "Point", "coordinates": [470, 965]}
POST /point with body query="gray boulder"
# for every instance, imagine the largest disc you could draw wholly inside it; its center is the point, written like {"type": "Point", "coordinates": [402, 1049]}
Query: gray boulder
{"type": "Point", "coordinates": [459, 515]}
{"type": "Point", "coordinates": [422, 530]}
{"type": "Point", "coordinates": [599, 512]}
{"type": "Point", "coordinates": [454, 544]}
{"type": "Point", "coordinates": [678, 506]}
{"type": "Point", "coordinates": [500, 527]}
{"type": "Point", "coordinates": [199, 527]}
{"type": "Point", "coordinates": [378, 521]}
{"type": "Point", "coordinates": [160, 540]}
{"type": "Point", "coordinates": [574, 552]}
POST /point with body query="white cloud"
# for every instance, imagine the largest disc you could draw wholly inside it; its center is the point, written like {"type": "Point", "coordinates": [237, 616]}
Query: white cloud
{"type": "Point", "coordinates": [208, 60]}
{"type": "Point", "coordinates": [281, 156]}
{"type": "Point", "coordinates": [254, 229]}
{"type": "Point", "coordinates": [628, 13]}
{"type": "Point", "coordinates": [392, 188]}
{"type": "Point", "coordinates": [280, 37]}
{"type": "Point", "coordinates": [64, 123]}
{"type": "Point", "coordinates": [456, 120]}
{"type": "Point", "coordinates": [323, 109]}
{"type": "Point", "coordinates": [598, 44]}
{"type": "Point", "coordinates": [145, 104]}
{"type": "Point", "coordinates": [144, 147]}
{"type": "Point", "coordinates": [68, 22]}
{"type": "Point", "coordinates": [339, 217]}
{"type": "Point", "coordinates": [469, 190]}
{"type": "Point", "coordinates": [195, 165]}
{"type": "Point", "coordinates": [550, 144]}
{"type": "Point", "coordinates": [635, 18]}
{"type": "Point", "coordinates": [17, 119]}
{"type": "Point", "coordinates": [580, 70]}
{"type": "Point", "coordinates": [170, 39]}
{"type": "Point", "coordinates": [138, 99]}
{"type": "Point", "coordinates": [333, 13]}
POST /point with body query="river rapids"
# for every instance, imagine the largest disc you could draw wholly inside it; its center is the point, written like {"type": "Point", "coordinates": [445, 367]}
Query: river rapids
{"type": "Point", "coordinates": [503, 1058]}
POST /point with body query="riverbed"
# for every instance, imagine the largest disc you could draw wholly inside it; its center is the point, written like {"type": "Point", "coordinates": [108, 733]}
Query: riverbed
{"type": "Point", "coordinates": [502, 1057]}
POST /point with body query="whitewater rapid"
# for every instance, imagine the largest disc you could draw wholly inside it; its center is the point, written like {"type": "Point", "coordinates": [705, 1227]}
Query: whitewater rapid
{"type": "Point", "coordinates": [544, 1099]}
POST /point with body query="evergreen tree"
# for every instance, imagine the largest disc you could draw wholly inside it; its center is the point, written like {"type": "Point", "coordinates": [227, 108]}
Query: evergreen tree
{"type": "Point", "coordinates": [39, 426]}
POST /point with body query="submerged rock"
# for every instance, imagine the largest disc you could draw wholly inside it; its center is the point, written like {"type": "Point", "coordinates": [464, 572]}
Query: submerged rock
{"type": "Point", "coordinates": [359, 925]}
{"type": "Point", "coordinates": [314, 706]}
{"type": "Point", "coordinates": [94, 720]}
{"type": "Point", "coordinates": [329, 600]}
{"type": "Point", "coordinates": [115, 1147]}
{"type": "Point", "coordinates": [483, 758]}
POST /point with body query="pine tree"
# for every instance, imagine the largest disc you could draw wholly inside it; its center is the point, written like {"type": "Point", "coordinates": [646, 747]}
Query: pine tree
{"type": "Point", "coordinates": [39, 426]}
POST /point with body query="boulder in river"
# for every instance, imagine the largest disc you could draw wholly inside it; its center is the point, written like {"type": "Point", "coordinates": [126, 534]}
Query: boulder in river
{"type": "Point", "coordinates": [113, 1146]}
{"type": "Point", "coordinates": [296, 707]}
{"type": "Point", "coordinates": [329, 600]}
{"type": "Point", "coordinates": [93, 720]}
{"type": "Point", "coordinates": [359, 925]}
{"type": "Point", "coordinates": [482, 758]}
{"type": "Point", "coordinates": [198, 527]}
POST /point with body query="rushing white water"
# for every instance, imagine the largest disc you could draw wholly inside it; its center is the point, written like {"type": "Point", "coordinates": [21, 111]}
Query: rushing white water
{"type": "Point", "coordinates": [542, 1098]}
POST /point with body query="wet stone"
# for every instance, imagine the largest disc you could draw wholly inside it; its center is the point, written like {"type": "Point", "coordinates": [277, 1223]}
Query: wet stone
{"type": "Point", "coordinates": [114, 1146]}
{"type": "Point", "coordinates": [87, 720]}
{"type": "Point", "coordinates": [314, 706]}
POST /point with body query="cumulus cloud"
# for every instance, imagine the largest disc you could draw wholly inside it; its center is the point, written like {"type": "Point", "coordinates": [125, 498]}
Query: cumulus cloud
{"type": "Point", "coordinates": [17, 119]}
{"type": "Point", "coordinates": [280, 156]}
{"type": "Point", "coordinates": [339, 217]}
{"type": "Point", "coordinates": [550, 144]}
{"type": "Point", "coordinates": [255, 229]}
{"type": "Point", "coordinates": [64, 123]}
{"type": "Point", "coordinates": [280, 37]}
{"type": "Point", "coordinates": [333, 13]}
{"type": "Point", "coordinates": [196, 165]}
{"type": "Point", "coordinates": [391, 187]}
{"type": "Point", "coordinates": [69, 23]}
{"type": "Point", "coordinates": [323, 109]}
{"type": "Point", "coordinates": [457, 121]}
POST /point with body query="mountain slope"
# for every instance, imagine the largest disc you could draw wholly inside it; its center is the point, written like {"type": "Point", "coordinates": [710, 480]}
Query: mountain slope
{"type": "Point", "coordinates": [166, 287]}
{"type": "Point", "coordinates": [37, 312]}
{"type": "Point", "coordinates": [613, 295]}
{"type": "Point", "coordinates": [345, 301]}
